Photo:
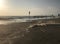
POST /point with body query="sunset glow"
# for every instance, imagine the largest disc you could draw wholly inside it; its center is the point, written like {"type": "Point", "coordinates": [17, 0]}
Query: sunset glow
{"type": "Point", "coordinates": [21, 7]}
{"type": "Point", "coordinates": [2, 4]}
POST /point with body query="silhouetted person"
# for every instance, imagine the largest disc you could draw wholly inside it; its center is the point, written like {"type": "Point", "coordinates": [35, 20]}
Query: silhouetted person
{"type": "Point", "coordinates": [29, 14]}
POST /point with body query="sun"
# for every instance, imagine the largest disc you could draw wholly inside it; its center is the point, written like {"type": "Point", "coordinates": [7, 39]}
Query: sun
{"type": "Point", "coordinates": [2, 4]}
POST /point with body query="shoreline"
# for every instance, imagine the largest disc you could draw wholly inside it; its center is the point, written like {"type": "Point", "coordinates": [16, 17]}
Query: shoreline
{"type": "Point", "coordinates": [22, 33]}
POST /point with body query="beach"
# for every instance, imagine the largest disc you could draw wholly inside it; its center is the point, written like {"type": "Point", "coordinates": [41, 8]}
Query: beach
{"type": "Point", "coordinates": [35, 32]}
{"type": "Point", "coordinates": [29, 21]}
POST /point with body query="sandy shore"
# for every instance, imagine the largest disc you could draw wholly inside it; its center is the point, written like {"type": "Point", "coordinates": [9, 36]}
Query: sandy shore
{"type": "Point", "coordinates": [20, 33]}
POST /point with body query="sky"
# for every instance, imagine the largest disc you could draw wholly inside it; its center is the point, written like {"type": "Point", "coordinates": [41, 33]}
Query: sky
{"type": "Point", "coordinates": [22, 7]}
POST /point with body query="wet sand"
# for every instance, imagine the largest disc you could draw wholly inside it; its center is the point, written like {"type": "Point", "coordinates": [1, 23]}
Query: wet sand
{"type": "Point", "coordinates": [22, 33]}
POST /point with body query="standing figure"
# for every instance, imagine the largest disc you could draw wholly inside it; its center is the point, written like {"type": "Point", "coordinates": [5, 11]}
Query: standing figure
{"type": "Point", "coordinates": [29, 14]}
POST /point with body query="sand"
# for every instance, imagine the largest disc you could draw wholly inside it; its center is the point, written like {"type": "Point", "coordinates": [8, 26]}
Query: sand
{"type": "Point", "coordinates": [22, 33]}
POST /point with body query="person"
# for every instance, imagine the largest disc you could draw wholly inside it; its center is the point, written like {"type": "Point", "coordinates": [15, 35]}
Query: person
{"type": "Point", "coordinates": [29, 13]}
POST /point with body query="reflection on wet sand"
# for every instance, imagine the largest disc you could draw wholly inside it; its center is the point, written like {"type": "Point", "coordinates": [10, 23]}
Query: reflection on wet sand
{"type": "Point", "coordinates": [46, 31]}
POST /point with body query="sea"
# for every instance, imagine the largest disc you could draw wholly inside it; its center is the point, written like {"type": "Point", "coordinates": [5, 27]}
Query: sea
{"type": "Point", "coordinates": [4, 20]}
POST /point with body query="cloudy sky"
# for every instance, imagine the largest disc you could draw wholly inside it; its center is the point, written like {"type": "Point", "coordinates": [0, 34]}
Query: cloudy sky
{"type": "Point", "coordinates": [21, 7]}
